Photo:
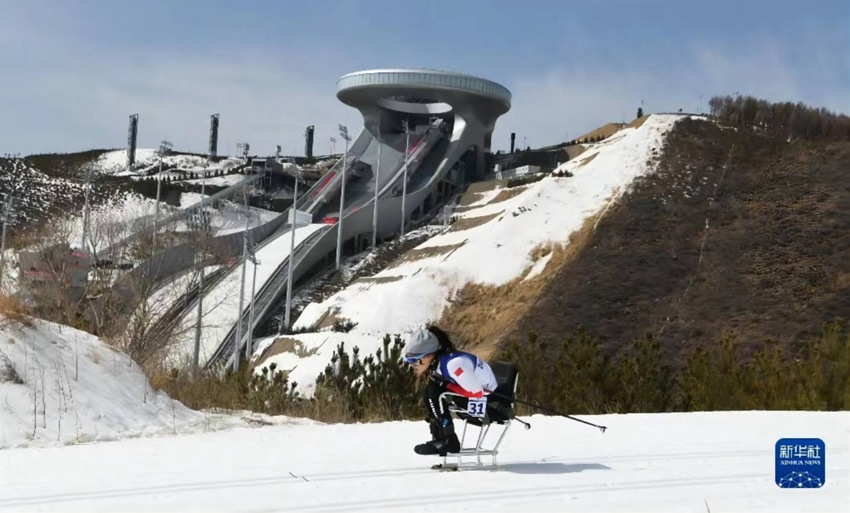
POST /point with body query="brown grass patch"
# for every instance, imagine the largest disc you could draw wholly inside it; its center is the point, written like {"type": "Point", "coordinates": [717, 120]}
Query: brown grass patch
{"type": "Point", "coordinates": [587, 160]}
{"type": "Point", "coordinates": [460, 210]}
{"type": "Point", "coordinates": [575, 151]}
{"type": "Point", "coordinates": [605, 131]}
{"type": "Point", "coordinates": [472, 222]}
{"type": "Point", "coordinates": [13, 312]}
{"type": "Point", "coordinates": [287, 345]}
{"type": "Point", "coordinates": [842, 280]}
{"type": "Point", "coordinates": [378, 279]}
{"type": "Point", "coordinates": [637, 122]}
{"type": "Point", "coordinates": [327, 319]}
{"type": "Point", "coordinates": [507, 194]}
{"type": "Point", "coordinates": [476, 191]}
{"type": "Point", "coordinates": [481, 317]}
{"type": "Point", "coordinates": [419, 254]}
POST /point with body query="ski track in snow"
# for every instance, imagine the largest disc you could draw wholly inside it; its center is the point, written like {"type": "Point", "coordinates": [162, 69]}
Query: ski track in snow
{"type": "Point", "coordinates": [662, 462]}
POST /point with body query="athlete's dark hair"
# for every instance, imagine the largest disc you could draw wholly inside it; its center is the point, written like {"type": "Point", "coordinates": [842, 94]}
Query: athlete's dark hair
{"type": "Point", "coordinates": [446, 345]}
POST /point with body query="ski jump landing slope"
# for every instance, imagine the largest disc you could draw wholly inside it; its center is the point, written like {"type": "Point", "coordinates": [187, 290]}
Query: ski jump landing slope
{"type": "Point", "coordinates": [323, 199]}
{"type": "Point", "coordinates": [689, 462]}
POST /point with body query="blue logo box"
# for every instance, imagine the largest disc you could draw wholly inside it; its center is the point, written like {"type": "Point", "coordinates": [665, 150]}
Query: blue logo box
{"type": "Point", "coordinates": [800, 463]}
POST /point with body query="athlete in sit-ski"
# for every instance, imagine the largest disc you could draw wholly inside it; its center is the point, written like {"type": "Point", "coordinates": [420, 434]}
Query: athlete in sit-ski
{"type": "Point", "coordinates": [432, 355]}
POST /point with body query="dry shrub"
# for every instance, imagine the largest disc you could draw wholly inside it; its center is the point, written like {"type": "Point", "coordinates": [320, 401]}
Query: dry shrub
{"type": "Point", "coordinates": [13, 312]}
{"type": "Point", "coordinates": [329, 405]}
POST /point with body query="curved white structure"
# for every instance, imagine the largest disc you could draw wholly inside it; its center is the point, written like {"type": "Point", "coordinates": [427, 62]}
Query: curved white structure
{"type": "Point", "coordinates": [448, 115]}
{"type": "Point", "coordinates": [469, 105]}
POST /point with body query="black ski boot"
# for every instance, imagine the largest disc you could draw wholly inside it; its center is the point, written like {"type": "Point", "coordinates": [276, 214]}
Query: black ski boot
{"type": "Point", "coordinates": [444, 441]}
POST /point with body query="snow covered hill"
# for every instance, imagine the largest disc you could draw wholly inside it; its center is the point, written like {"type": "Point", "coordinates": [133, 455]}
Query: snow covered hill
{"type": "Point", "coordinates": [36, 193]}
{"type": "Point", "coordinates": [59, 385]}
{"type": "Point", "coordinates": [508, 233]}
{"type": "Point", "coordinates": [692, 462]}
{"type": "Point", "coordinates": [147, 162]}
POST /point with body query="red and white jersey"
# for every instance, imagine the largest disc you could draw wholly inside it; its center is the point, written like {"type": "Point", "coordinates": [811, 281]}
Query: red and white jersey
{"type": "Point", "coordinates": [471, 375]}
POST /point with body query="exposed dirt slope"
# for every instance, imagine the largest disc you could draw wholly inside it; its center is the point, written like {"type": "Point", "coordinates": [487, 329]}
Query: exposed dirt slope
{"type": "Point", "coordinates": [736, 234]}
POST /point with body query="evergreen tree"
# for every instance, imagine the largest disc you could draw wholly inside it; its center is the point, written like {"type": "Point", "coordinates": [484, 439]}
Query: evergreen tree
{"type": "Point", "coordinates": [640, 112]}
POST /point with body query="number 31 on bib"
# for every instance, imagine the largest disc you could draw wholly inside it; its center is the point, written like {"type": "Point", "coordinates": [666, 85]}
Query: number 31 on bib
{"type": "Point", "coordinates": [477, 407]}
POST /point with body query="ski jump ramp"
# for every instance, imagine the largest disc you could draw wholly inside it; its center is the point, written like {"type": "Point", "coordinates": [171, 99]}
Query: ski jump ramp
{"type": "Point", "coordinates": [450, 119]}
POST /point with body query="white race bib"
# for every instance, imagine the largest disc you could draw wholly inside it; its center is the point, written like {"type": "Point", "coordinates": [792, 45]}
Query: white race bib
{"type": "Point", "coordinates": [477, 407]}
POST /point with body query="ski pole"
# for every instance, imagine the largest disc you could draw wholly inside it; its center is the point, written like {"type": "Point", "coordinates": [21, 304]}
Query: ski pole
{"type": "Point", "coordinates": [550, 410]}
{"type": "Point", "coordinates": [533, 405]}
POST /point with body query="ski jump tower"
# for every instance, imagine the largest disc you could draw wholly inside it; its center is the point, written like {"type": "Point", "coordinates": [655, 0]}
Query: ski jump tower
{"type": "Point", "coordinates": [468, 105]}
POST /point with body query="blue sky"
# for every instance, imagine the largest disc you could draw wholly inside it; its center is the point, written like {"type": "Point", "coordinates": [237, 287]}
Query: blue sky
{"type": "Point", "coordinates": [73, 71]}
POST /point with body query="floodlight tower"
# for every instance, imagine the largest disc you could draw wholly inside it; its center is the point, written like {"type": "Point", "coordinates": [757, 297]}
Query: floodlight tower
{"type": "Point", "coordinates": [132, 137]}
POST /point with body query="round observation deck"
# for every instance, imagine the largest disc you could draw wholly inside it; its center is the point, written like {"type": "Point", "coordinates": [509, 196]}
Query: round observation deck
{"type": "Point", "coordinates": [422, 91]}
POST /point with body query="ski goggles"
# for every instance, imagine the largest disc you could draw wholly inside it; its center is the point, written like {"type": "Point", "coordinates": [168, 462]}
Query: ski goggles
{"type": "Point", "coordinates": [413, 358]}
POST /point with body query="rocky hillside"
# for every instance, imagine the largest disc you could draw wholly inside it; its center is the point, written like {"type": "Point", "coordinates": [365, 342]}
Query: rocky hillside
{"type": "Point", "coordinates": [736, 234]}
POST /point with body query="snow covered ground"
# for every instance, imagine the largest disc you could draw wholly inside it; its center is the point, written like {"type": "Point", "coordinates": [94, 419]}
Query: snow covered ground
{"type": "Point", "coordinates": [694, 462]}
{"type": "Point", "coordinates": [62, 389]}
{"type": "Point", "coordinates": [124, 215]}
{"type": "Point", "coordinates": [227, 216]}
{"type": "Point", "coordinates": [115, 162]}
{"type": "Point", "coordinates": [222, 181]}
{"type": "Point", "coordinates": [495, 252]}
{"type": "Point", "coordinates": [59, 385]}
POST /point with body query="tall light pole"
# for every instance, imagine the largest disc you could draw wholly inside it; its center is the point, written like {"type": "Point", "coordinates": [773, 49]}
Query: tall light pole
{"type": "Point", "coordinates": [406, 127]}
{"type": "Point", "coordinates": [89, 172]}
{"type": "Point", "coordinates": [253, 258]}
{"type": "Point", "coordinates": [164, 147]}
{"type": "Point", "coordinates": [238, 338]}
{"type": "Point", "coordinates": [201, 225]}
{"type": "Point", "coordinates": [333, 145]}
{"type": "Point", "coordinates": [343, 132]}
{"type": "Point", "coordinates": [377, 185]}
{"type": "Point", "coordinates": [292, 223]}
{"type": "Point", "coordinates": [6, 215]}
